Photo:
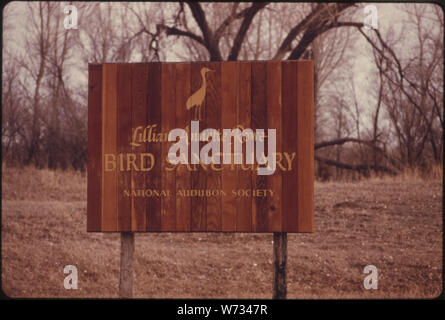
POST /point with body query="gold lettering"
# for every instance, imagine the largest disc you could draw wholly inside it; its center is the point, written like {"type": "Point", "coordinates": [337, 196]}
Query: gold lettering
{"type": "Point", "coordinates": [204, 166]}
{"type": "Point", "coordinates": [121, 162]}
{"type": "Point", "coordinates": [134, 141]}
{"type": "Point", "coordinates": [173, 167]}
{"type": "Point", "coordinates": [248, 167]}
{"type": "Point", "coordinates": [108, 161]}
{"type": "Point", "coordinates": [131, 159]}
{"type": "Point", "coordinates": [279, 159]}
{"type": "Point", "coordinates": [289, 159]}
{"type": "Point", "coordinates": [152, 161]}
{"type": "Point", "coordinates": [214, 168]}
{"type": "Point", "coordinates": [159, 137]}
{"type": "Point", "coordinates": [151, 134]}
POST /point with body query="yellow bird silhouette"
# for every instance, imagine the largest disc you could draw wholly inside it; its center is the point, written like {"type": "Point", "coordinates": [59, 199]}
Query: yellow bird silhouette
{"type": "Point", "coordinates": [196, 99]}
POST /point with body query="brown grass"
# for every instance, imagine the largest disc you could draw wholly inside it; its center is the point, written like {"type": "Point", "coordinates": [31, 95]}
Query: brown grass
{"type": "Point", "coordinates": [434, 173]}
{"type": "Point", "coordinates": [394, 224]}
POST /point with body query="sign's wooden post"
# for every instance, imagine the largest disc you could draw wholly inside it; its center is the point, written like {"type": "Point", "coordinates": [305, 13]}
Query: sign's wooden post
{"type": "Point", "coordinates": [126, 275]}
{"type": "Point", "coordinates": [279, 267]}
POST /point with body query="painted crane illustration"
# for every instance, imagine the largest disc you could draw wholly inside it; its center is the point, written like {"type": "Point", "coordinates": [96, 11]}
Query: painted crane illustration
{"type": "Point", "coordinates": [196, 99]}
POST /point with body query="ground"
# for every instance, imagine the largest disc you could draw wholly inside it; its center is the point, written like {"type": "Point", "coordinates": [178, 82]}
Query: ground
{"type": "Point", "coordinates": [393, 224]}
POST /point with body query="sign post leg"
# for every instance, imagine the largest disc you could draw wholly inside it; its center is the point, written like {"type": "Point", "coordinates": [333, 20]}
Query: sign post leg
{"type": "Point", "coordinates": [279, 266]}
{"type": "Point", "coordinates": [126, 271]}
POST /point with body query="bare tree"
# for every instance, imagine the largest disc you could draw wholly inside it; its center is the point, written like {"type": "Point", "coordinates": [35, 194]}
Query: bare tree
{"type": "Point", "coordinates": [44, 114]}
{"type": "Point", "coordinates": [15, 116]}
{"type": "Point", "coordinates": [412, 87]}
{"type": "Point", "coordinates": [320, 19]}
{"type": "Point", "coordinates": [38, 46]}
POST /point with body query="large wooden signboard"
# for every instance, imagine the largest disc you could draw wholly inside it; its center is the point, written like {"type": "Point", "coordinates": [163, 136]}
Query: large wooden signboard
{"type": "Point", "coordinates": [133, 110]}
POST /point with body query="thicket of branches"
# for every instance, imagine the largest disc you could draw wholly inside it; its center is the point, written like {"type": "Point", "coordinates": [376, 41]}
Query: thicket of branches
{"type": "Point", "coordinates": [44, 106]}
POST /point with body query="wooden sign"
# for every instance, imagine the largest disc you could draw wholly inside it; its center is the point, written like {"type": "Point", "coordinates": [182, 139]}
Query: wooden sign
{"type": "Point", "coordinates": [165, 155]}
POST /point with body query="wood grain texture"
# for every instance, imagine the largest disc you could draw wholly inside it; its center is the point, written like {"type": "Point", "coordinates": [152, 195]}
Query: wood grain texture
{"type": "Point", "coordinates": [183, 204]}
{"type": "Point", "coordinates": [289, 144]}
{"type": "Point", "coordinates": [213, 120]}
{"type": "Point", "coordinates": [123, 145]}
{"type": "Point", "coordinates": [153, 177]}
{"type": "Point", "coordinates": [139, 119]}
{"type": "Point", "coordinates": [279, 266]}
{"type": "Point", "coordinates": [244, 181]}
{"type": "Point", "coordinates": [168, 122]}
{"type": "Point", "coordinates": [274, 117]}
{"type": "Point", "coordinates": [94, 187]}
{"type": "Point", "coordinates": [198, 177]}
{"type": "Point", "coordinates": [229, 97]}
{"type": "Point", "coordinates": [126, 265]}
{"type": "Point", "coordinates": [305, 146]}
{"type": "Point", "coordinates": [109, 146]}
{"type": "Point", "coordinates": [123, 98]}
{"type": "Point", "coordinates": [259, 121]}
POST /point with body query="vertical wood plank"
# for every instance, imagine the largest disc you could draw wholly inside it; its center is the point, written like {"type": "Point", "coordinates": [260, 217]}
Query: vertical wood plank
{"type": "Point", "coordinates": [305, 134]}
{"type": "Point", "coordinates": [229, 85]}
{"type": "Point", "coordinates": [168, 122]}
{"type": "Point", "coordinates": [94, 187]}
{"type": "Point", "coordinates": [289, 144]}
{"type": "Point", "coordinates": [254, 95]}
{"type": "Point", "coordinates": [274, 115]}
{"type": "Point", "coordinates": [153, 177]}
{"type": "Point", "coordinates": [109, 146]}
{"type": "Point", "coordinates": [244, 204]}
{"type": "Point", "coordinates": [138, 119]}
{"type": "Point", "coordinates": [183, 204]}
{"type": "Point", "coordinates": [213, 120]}
{"type": "Point", "coordinates": [123, 145]}
{"type": "Point", "coordinates": [259, 121]}
{"type": "Point", "coordinates": [198, 175]}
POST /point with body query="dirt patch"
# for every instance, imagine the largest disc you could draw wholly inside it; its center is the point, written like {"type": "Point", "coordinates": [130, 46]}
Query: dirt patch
{"type": "Point", "coordinates": [394, 225]}
{"type": "Point", "coordinates": [346, 204]}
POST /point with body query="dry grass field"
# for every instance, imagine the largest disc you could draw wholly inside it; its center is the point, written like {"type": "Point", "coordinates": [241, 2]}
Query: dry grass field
{"type": "Point", "coordinates": [394, 224]}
